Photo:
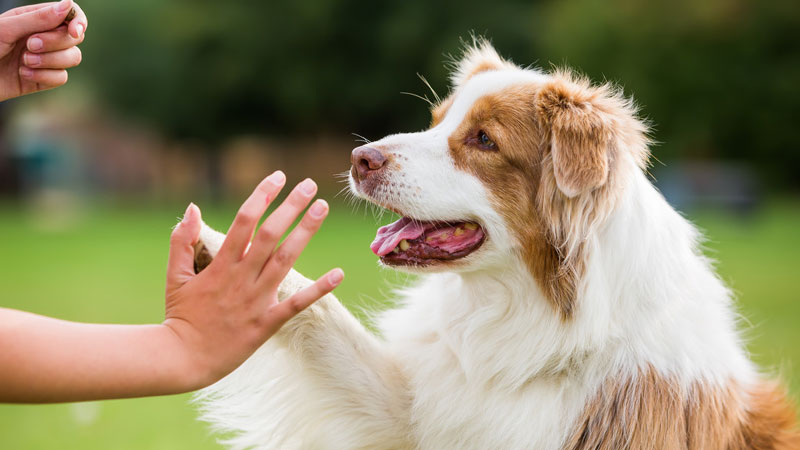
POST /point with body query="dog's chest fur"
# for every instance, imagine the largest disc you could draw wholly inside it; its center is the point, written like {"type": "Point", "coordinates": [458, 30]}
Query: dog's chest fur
{"type": "Point", "coordinates": [478, 379]}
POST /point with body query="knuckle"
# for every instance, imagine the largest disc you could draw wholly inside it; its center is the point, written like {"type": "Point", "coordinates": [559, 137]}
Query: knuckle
{"type": "Point", "coordinates": [264, 188]}
{"type": "Point", "coordinates": [283, 258]}
{"type": "Point", "coordinates": [255, 320]}
{"type": "Point", "coordinates": [294, 306]}
{"type": "Point", "coordinates": [267, 235]}
{"type": "Point", "coordinates": [298, 199]}
{"type": "Point", "coordinates": [310, 223]}
{"type": "Point", "coordinates": [246, 216]}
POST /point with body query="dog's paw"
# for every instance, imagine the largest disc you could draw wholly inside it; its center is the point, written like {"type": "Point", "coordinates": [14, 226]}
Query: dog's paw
{"type": "Point", "coordinates": [202, 257]}
{"type": "Point", "coordinates": [206, 247]}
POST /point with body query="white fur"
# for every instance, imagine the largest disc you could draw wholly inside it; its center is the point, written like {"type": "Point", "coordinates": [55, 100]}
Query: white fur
{"type": "Point", "coordinates": [476, 358]}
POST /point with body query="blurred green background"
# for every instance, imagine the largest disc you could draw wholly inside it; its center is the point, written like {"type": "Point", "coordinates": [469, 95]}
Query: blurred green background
{"type": "Point", "coordinates": [180, 101]}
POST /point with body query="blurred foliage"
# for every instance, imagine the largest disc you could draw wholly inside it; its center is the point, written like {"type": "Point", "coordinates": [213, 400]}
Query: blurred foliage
{"type": "Point", "coordinates": [718, 78]}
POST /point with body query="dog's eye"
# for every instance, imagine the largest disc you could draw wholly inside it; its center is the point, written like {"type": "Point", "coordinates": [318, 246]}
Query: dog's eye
{"type": "Point", "coordinates": [485, 141]}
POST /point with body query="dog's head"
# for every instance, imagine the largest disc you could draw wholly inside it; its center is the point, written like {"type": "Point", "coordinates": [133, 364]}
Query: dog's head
{"type": "Point", "coordinates": [516, 162]}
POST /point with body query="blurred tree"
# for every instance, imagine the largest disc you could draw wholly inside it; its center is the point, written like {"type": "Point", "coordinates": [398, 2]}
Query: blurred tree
{"type": "Point", "coordinates": [719, 78]}
{"type": "Point", "coordinates": [210, 69]}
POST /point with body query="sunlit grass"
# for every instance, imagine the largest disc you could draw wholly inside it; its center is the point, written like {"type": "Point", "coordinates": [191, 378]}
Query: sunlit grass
{"type": "Point", "coordinates": [108, 266]}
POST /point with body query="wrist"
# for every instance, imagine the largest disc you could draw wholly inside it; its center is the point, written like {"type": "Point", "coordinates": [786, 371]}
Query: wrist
{"type": "Point", "coordinates": [189, 369]}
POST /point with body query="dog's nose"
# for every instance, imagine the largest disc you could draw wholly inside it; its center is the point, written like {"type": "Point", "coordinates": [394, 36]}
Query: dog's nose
{"type": "Point", "coordinates": [366, 161]}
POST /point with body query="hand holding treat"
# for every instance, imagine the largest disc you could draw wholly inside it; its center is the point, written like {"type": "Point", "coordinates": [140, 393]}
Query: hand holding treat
{"type": "Point", "coordinates": [37, 44]}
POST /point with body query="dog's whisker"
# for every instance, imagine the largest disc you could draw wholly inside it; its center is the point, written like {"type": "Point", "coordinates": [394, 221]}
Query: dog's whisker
{"type": "Point", "coordinates": [424, 99]}
{"type": "Point", "coordinates": [435, 95]}
{"type": "Point", "coordinates": [361, 138]}
{"type": "Point", "coordinates": [345, 191]}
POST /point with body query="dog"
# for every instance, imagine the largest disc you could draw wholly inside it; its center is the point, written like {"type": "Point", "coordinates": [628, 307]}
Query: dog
{"type": "Point", "coordinates": [563, 304]}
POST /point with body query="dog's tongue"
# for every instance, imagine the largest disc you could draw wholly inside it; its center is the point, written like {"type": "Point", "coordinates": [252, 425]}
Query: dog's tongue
{"type": "Point", "coordinates": [389, 236]}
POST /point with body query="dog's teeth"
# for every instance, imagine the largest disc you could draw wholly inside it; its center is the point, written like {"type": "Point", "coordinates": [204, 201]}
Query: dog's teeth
{"type": "Point", "coordinates": [459, 231]}
{"type": "Point", "coordinates": [396, 250]}
{"type": "Point", "coordinates": [471, 226]}
{"type": "Point", "coordinates": [429, 239]}
{"type": "Point", "coordinates": [404, 245]}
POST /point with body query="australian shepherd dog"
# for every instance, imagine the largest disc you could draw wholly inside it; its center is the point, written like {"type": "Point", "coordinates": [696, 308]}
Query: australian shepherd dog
{"type": "Point", "coordinates": [561, 303]}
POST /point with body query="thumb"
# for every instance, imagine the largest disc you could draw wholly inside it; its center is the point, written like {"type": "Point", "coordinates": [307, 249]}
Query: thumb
{"type": "Point", "coordinates": [14, 28]}
{"type": "Point", "coordinates": [180, 267]}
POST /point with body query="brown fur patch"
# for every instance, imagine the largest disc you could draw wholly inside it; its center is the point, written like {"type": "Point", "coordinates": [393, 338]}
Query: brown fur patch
{"type": "Point", "coordinates": [440, 110]}
{"type": "Point", "coordinates": [651, 411]}
{"type": "Point", "coordinates": [513, 174]}
{"type": "Point", "coordinates": [482, 66]}
{"type": "Point", "coordinates": [554, 173]}
{"type": "Point", "coordinates": [580, 138]}
{"type": "Point", "coordinates": [770, 421]}
{"type": "Point", "coordinates": [202, 257]}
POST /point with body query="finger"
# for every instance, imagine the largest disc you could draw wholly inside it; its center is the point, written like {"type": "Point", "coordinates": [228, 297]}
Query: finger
{"type": "Point", "coordinates": [77, 26]}
{"type": "Point", "coordinates": [302, 299]}
{"type": "Point", "coordinates": [43, 19]}
{"type": "Point", "coordinates": [248, 216]}
{"type": "Point", "coordinates": [54, 40]}
{"type": "Point", "coordinates": [26, 9]}
{"type": "Point", "coordinates": [180, 266]}
{"type": "Point", "coordinates": [62, 59]}
{"type": "Point", "coordinates": [42, 79]}
{"type": "Point", "coordinates": [284, 258]}
{"type": "Point", "coordinates": [278, 222]}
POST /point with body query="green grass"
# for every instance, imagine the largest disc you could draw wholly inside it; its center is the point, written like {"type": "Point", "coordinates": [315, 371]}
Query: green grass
{"type": "Point", "coordinates": [109, 267]}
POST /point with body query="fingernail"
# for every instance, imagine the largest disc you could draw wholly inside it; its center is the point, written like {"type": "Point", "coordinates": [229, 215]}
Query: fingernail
{"type": "Point", "coordinates": [35, 44]}
{"type": "Point", "coordinates": [336, 277]}
{"type": "Point", "coordinates": [63, 6]}
{"type": "Point", "coordinates": [318, 209]}
{"type": "Point", "coordinates": [188, 213]}
{"type": "Point", "coordinates": [78, 31]}
{"type": "Point", "coordinates": [32, 60]}
{"type": "Point", "coordinates": [26, 72]}
{"type": "Point", "coordinates": [308, 186]}
{"type": "Point", "coordinates": [277, 178]}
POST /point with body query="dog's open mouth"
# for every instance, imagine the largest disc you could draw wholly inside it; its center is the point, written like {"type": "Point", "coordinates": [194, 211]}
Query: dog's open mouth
{"type": "Point", "coordinates": [416, 242]}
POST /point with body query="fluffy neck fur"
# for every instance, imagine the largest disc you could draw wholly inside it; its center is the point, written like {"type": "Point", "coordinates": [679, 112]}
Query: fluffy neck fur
{"type": "Point", "coordinates": [648, 297]}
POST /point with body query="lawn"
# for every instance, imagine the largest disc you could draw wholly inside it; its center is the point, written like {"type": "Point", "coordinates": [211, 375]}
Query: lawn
{"type": "Point", "coordinates": [108, 266]}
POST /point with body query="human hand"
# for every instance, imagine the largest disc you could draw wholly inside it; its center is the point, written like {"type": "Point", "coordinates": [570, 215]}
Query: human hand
{"type": "Point", "coordinates": [36, 47]}
{"type": "Point", "coordinates": [224, 313]}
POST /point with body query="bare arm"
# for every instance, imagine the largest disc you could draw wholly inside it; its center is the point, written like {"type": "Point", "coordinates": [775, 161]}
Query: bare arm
{"type": "Point", "coordinates": [214, 320]}
{"type": "Point", "coordinates": [45, 360]}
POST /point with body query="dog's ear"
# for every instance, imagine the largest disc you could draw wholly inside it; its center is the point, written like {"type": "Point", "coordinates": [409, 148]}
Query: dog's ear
{"type": "Point", "coordinates": [206, 247]}
{"type": "Point", "coordinates": [580, 130]}
{"type": "Point", "coordinates": [478, 57]}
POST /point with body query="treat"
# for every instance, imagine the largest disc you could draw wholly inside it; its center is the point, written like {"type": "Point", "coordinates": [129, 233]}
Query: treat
{"type": "Point", "coordinates": [70, 15]}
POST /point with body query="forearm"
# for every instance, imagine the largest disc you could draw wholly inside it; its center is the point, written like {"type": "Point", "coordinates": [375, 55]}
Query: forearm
{"type": "Point", "coordinates": [48, 360]}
